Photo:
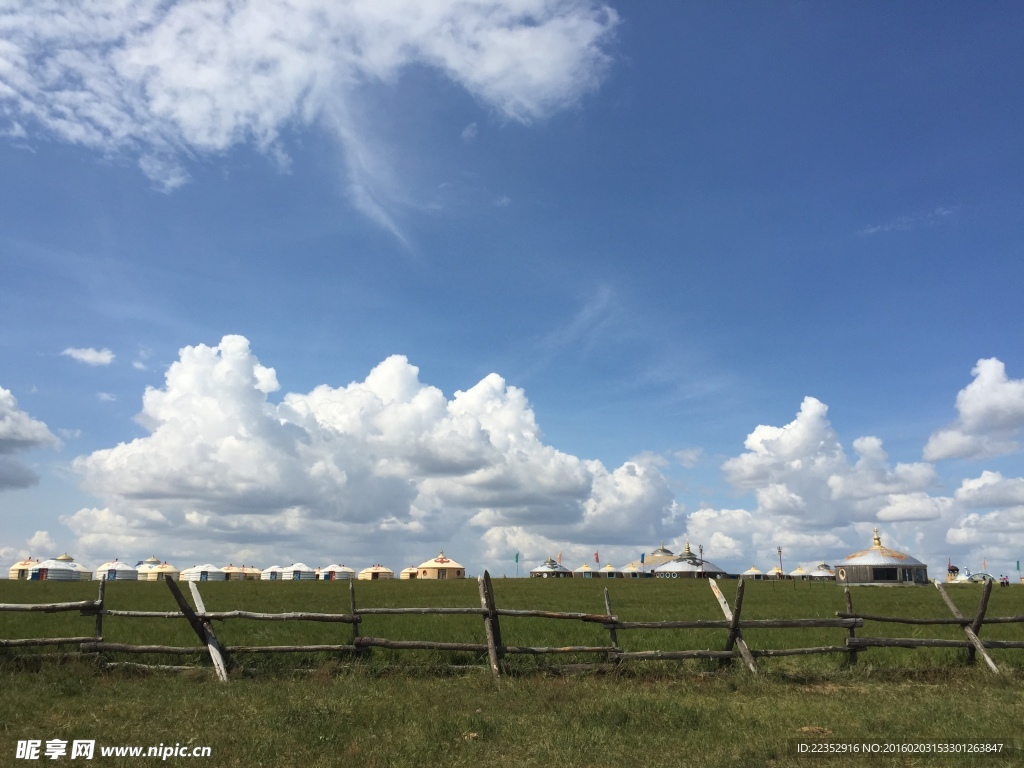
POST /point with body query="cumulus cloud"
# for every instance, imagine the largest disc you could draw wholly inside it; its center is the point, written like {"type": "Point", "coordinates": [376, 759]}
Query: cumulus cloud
{"type": "Point", "coordinates": [41, 541]}
{"type": "Point", "coordinates": [19, 432]}
{"type": "Point", "coordinates": [89, 356]}
{"type": "Point", "coordinates": [990, 417]}
{"type": "Point", "coordinates": [223, 465]}
{"type": "Point", "coordinates": [165, 81]}
{"type": "Point", "coordinates": [810, 498]}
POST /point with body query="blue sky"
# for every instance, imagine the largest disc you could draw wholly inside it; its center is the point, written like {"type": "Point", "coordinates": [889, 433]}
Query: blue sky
{"type": "Point", "coordinates": [659, 224]}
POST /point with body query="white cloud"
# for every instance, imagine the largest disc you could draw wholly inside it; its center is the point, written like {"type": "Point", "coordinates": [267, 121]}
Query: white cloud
{"type": "Point", "coordinates": [810, 499]}
{"type": "Point", "coordinates": [223, 466]}
{"type": "Point", "coordinates": [991, 489]}
{"type": "Point", "coordinates": [89, 356]}
{"type": "Point", "coordinates": [470, 132]}
{"type": "Point", "coordinates": [165, 81]}
{"type": "Point", "coordinates": [106, 397]}
{"type": "Point", "coordinates": [912, 222]}
{"type": "Point", "coordinates": [990, 417]}
{"type": "Point", "coordinates": [41, 541]}
{"type": "Point", "coordinates": [19, 432]}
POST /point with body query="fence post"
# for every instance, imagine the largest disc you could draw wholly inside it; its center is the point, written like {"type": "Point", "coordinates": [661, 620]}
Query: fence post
{"type": "Point", "coordinates": [735, 636]}
{"type": "Point", "coordinates": [202, 628]}
{"type": "Point", "coordinates": [491, 629]}
{"type": "Point", "coordinates": [352, 608]}
{"type": "Point", "coordinates": [969, 630]}
{"type": "Point", "coordinates": [612, 656]}
{"type": "Point", "coordinates": [849, 609]}
{"type": "Point", "coordinates": [99, 613]}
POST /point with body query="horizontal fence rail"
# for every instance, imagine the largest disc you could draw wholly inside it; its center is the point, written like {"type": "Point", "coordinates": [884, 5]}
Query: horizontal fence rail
{"type": "Point", "coordinates": [201, 622]}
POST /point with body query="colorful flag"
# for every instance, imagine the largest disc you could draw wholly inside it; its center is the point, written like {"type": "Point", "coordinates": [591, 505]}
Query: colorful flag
{"type": "Point", "coordinates": [641, 558]}
{"type": "Point", "coordinates": [517, 557]}
{"type": "Point", "coordinates": [984, 565]}
{"type": "Point", "coordinates": [559, 557]}
{"type": "Point", "coordinates": [597, 559]}
{"type": "Point", "coordinates": [1018, 565]}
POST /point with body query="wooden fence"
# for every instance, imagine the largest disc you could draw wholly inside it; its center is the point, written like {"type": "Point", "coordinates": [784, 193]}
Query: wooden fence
{"type": "Point", "coordinates": [735, 646]}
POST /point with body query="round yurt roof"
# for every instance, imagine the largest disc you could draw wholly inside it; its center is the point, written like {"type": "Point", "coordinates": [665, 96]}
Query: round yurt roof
{"type": "Point", "coordinates": [26, 563]}
{"type": "Point", "coordinates": [752, 571]}
{"type": "Point", "coordinates": [152, 560]}
{"type": "Point", "coordinates": [69, 561]}
{"type": "Point", "coordinates": [550, 566]}
{"type": "Point", "coordinates": [440, 562]}
{"type": "Point", "coordinates": [823, 570]}
{"type": "Point", "coordinates": [410, 569]}
{"type": "Point", "coordinates": [116, 565]}
{"type": "Point", "coordinates": [609, 569]}
{"type": "Point", "coordinates": [243, 569]}
{"type": "Point", "coordinates": [377, 569]}
{"type": "Point", "coordinates": [661, 551]}
{"type": "Point", "coordinates": [338, 568]}
{"type": "Point", "coordinates": [879, 555]}
{"type": "Point", "coordinates": [152, 564]}
{"type": "Point", "coordinates": [775, 571]}
{"type": "Point", "coordinates": [298, 567]}
{"type": "Point", "coordinates": [208, 567]}
{"type": "Point", "coordinates": [585, 568]}
{"type": "Point", "coordinates": [688, 562]}
{"type": "Point", "coordinates": [272, 568]}
{"type": "Point", "coordinates": [798, 571]}
{"type": "Point", "coordinates": [54, 564]}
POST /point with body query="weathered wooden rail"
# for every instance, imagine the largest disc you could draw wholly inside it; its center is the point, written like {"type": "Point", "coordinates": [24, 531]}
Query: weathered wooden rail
{"type": "Point", "coordinates": [201, 622]}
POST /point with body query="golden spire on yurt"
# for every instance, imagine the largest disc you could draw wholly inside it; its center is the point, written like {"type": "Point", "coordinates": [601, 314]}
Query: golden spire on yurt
{"type": "Point", "coordinates": [881, 565]}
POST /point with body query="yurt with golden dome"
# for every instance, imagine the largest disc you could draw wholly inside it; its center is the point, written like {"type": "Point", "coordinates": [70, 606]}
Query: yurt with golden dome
{"type": "Point", "coordinates": [441, 567]}
{"type": "Point", "coordinates": [152, 569]}
{"type": "Point", "coordinates": [798, 574]}
{"type": "Point", "coordinates": [335, 572]}
{"type": "Point", "coordinates": [775, 573]}
{"type": "Point", "coordinates": [584, 572]}
{"type": "Point", "coordinates": [688, 566]}
{"type": "Point", "coordinates": [609, 571]}
{"type": "Point", "coordinates": [881, 565]}
{"type": "Point", "coordinates": [21, 569]}
{"type": "Point", "coordinates": [753, 573]}
{"type": "Point", "coordinates": [376, 573]}
{"type": "Point", "coordinates": [205, 572]}
{"type": "Point", "coordinates": [298, 572]}
{"type": "Point", "coordinates": [822, 572]}
{"type": "Point", "coordinates": [116, 570]}
{"type": "Point", "coordinates": [234, 572]}
{"type": "Point", "coordinates": [632, 571]}
{"type": "Point", "coordinates": [653, 559]}
{"type": "Point", "coordinates": [551, 569]}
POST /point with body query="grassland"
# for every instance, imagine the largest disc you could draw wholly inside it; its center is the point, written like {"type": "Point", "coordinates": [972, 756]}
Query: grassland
{"type": "Point", "coordinates": [411, 708]}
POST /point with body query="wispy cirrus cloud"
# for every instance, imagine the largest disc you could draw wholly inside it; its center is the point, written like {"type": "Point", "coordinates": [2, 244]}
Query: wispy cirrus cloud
{"type": "Point", "coordinates": [166, 81]}
{"type": "Point", "coordinates": [90, 356]}
{"type": "Point", "coordinates": [912, 222]}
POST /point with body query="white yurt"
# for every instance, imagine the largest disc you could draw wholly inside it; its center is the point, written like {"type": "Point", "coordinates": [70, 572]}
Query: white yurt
{"type": "Point", "coordinates": [56, 569]}
{"type": "Point", "coordinates": [550, 569]}
{"type": "Point", "coordinates": [775, 573]}
{"type": "Point", "coordinates": [151, 569]}
{"type": "Point", "coordinates": [84, 574]}
{"type": "Point", "coordinates": [584, 572]}
{"type": "Point", "coordinates": [632, 571]}
{"type": "Point", "coordinates": [272, 573]}
{"type": "Point", "coordinates": [298, 572]}
{"type": "Point", "coordinates": [754, 573]}
{"type": "Point", "coordinates": [205, 572]}
{"type": "Point", "coordinates": [441, 567]}
{"type": "Point", "coordinates": [407, 574]}
{"type": "Point", "coordinates": [21, 569]}
{"type": "Point", "coordinates": [376, 573]}
{"type": "Point", "coordinates": [688, 566]}
{"type": "Point", "coordinates": [115, 570]}
{"type": "Point", "coordinates": [822, 572]}
{"type": "Point", "coordinates": [609, 571]}
{"type": "Point", "coordinates": [335, 572]}
{"type": "Point", "coordinates": [798, 573]}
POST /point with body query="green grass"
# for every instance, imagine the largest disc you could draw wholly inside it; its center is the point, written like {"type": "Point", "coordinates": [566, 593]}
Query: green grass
{"type": "Point", "coordinates": [399, 709]}
{"type": "Point", "coordinates": [647, 600]}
